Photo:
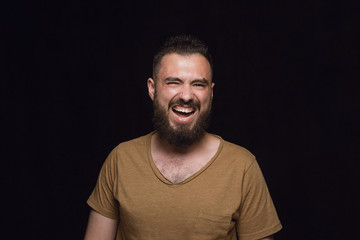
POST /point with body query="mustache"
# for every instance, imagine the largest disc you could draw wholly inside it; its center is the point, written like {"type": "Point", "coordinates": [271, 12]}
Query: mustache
{"type": "Point", "coordinates": [181, 102]}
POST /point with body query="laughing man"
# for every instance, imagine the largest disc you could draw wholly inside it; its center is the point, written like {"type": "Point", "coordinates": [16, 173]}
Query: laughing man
{"type": "Point", "coordinates": [180, 182]}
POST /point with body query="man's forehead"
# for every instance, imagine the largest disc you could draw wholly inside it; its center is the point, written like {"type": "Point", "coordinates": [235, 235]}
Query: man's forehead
{"type": "Point", "coordinates": [185, 64]}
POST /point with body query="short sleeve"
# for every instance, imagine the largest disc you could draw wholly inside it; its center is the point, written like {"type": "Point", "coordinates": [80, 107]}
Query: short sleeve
{"type": "Point", "coordinates": [102, 198]}
{"type": "Point", "coordinates": [258, 217]}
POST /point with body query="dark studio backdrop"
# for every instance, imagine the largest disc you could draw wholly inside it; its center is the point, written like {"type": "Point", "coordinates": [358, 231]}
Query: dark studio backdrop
{"type": "Point", "coordinates": [74, 86]}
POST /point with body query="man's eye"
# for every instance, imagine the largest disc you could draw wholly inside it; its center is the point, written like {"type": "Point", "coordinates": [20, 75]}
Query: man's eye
{"type": "Point", "coordinates": [199, 85]}
{"type": "Point", "coordinates": [172, 83]}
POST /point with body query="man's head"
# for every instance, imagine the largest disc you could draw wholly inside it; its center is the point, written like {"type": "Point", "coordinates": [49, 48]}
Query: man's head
{"type": "Point", "coordinates": [182, 45]}
{"type": "Point", "coordinates": [181, 91]}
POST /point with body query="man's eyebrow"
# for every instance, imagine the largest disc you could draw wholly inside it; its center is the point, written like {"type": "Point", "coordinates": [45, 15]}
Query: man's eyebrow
{"type": "Point", "coordinates": [200, 80]}
{"type": "Point", "coordinates": [170, 79]}
{"type": "Point", "coordinates": [175, 79]}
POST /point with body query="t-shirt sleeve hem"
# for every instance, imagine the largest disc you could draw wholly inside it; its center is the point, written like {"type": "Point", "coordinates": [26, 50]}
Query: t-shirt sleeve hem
{"type": "Point", "coordinates": [101, 210]}
{"type": "Point", "coordinates": [262, 234]}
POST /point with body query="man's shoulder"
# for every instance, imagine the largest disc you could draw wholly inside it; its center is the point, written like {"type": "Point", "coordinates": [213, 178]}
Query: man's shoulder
{"type": "Point", "coordinates": [237, 148]}
{"type": "Point", "coordinates": [133, 144]}
{"type": "Point", "coordinates": [136, 148]}
{"type": "Point", "coordinates": [233, 150]}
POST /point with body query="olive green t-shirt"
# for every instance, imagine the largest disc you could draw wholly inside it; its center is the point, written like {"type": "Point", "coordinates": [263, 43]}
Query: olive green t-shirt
{"type": "Point", "coordinates": [226, 199]}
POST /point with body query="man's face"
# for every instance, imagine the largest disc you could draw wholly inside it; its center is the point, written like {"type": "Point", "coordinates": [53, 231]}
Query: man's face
{"type": "Point", "coordinates": [182, 96]}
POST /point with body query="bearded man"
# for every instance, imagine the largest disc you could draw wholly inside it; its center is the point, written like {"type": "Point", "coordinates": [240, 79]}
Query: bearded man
{"type": "Point", "coordinates": [180, 182]}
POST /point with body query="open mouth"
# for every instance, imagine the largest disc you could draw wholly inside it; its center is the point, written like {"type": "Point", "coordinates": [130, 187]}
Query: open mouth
{"type": "Point", "coordinates": [183, 112]}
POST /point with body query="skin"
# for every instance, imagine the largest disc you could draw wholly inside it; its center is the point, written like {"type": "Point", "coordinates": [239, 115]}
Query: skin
{"type": "Point", "coordinates": [189, 78]}
{"type": "Point", "coordinates": [186, 78]}
{"type": "Point", "coordinates": [183, 77]}
{"type": "Point", "coordinates": [100, 227]}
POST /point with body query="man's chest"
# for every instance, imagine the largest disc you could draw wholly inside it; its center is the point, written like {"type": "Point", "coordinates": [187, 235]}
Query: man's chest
{"type": "Point", "coordinates": [178, 170]}
{"type": "Point", "coordinates": [204, 208]}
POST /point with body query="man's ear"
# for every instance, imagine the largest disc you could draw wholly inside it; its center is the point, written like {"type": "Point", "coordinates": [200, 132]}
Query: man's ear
{"type": "Point", "coordinates": [151, 88]}
{"type": "Point", "coordinates": [212, 89]}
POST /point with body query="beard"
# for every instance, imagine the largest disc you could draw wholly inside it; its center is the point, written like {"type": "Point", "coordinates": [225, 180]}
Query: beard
{"type": "Point", "coordinates": [182, 135]}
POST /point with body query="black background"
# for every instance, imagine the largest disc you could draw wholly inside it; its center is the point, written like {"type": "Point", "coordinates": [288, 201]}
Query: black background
{"type": "Point", "coordinates": [74, 86]}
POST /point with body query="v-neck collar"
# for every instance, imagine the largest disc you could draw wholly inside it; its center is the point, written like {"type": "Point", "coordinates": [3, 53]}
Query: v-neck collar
{"type": "Point", "coordinates": [161, 177]}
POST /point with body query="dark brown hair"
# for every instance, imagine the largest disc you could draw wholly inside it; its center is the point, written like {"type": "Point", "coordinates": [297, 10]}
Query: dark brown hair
{"type": "Point", "coordinates": [183, 45]}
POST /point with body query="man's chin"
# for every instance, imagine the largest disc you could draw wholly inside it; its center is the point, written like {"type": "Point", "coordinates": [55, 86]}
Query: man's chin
{"type": "Point", "coordinates": [179, 133]}
{"type": "Point", "coordinates": [182, 135]}
{"type": "Point", "coordinates": [180, 127]}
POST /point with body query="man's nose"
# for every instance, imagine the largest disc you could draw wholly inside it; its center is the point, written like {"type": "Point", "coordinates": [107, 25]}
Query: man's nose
{"type": "Point", "coordinates": [186, 93]}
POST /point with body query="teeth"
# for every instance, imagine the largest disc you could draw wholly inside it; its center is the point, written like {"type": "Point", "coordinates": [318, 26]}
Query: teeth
{"type": "Point", "coordinates": [184, 110]}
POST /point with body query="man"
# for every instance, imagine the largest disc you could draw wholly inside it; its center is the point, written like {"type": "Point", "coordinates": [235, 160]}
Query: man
{"type": "Point", "coordinates": [180, 182]}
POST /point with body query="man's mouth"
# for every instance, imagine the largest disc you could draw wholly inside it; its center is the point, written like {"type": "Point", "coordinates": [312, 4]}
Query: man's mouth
{"type": "Point", "coordinates": [183, 113]}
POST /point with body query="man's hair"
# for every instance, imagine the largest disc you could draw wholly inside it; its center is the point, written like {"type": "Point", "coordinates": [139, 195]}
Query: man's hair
{"type": "Point", "coordinates": [183, 45]}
